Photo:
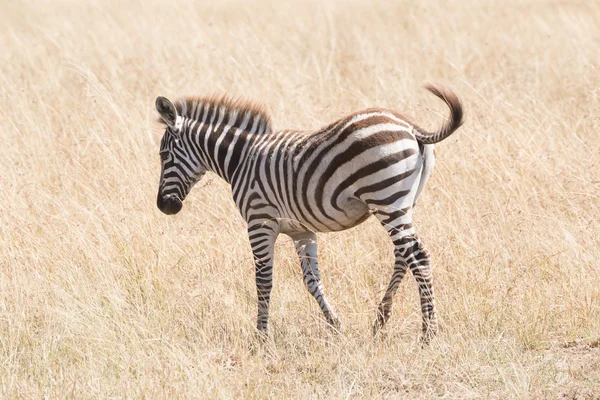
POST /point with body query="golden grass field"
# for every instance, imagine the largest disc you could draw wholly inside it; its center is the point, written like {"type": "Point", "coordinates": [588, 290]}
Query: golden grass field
{"type": "Point", "coordinates": [103, 296]}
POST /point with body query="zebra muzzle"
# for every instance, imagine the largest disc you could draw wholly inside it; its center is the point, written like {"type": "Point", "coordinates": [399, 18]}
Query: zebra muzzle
{"type": "Point", "coordinates": [169, 204]}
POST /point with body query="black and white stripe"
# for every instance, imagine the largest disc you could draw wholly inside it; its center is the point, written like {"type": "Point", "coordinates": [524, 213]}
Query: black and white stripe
{"type": "Point", "coordinates": [374, 162]}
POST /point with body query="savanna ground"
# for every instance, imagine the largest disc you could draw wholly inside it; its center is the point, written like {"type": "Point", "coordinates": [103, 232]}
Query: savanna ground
{"type": "Point", "coordinates": [101, 295]}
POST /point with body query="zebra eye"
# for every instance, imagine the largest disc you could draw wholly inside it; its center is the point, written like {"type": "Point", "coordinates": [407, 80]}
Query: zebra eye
{"type": "Point", "coordinates": [164, 155]}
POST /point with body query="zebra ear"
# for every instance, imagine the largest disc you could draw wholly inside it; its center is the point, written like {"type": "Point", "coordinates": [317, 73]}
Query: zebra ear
{"type": "Point", "coordinates": [167, 110]}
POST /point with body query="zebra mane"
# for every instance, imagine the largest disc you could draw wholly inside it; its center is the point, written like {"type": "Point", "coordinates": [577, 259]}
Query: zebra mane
{"type": "Point", "coordinates": [193, 107]}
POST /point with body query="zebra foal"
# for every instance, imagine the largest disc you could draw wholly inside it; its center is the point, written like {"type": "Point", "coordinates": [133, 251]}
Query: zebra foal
{"type": "Point", "coordinates": [372, 162]}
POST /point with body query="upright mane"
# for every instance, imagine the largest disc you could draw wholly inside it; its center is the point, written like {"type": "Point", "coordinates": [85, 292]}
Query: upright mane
{"type": "Point", "coordinates": [196, 107]}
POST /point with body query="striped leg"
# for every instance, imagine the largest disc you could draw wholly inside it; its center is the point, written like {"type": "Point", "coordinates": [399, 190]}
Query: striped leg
{"type": "Point", "coordinates": [306, 246]}
{"type": "Point", "coordinates": [262, 239]}
{"type": "Point", "coordinates": [409, 252]}
{"type": "Point", "coordinates": [419, 261]}
{"type": "Point", "coordinates": [385, 307]}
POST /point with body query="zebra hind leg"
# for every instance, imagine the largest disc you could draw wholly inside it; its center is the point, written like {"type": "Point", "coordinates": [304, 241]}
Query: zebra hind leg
{"type": "Point", "coordinates": [385, 306]}
{"type": "Point", "coordinates": [409, 254]}
{"type": "Point", "coordinates": [306, 246]}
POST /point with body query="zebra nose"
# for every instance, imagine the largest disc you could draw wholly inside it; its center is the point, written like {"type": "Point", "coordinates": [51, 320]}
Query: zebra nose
{"type": "Point", "coordinates": [169, 204]}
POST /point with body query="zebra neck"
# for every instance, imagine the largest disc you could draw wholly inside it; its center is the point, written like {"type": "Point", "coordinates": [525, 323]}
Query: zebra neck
{"type": "Point", "coordinates": [224, 148]}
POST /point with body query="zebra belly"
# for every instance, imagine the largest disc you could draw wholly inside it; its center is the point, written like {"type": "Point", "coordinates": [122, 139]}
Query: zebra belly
{"type": "Point", "coordinates": [354, 210]}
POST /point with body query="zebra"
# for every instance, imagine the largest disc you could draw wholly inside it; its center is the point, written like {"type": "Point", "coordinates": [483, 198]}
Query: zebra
{"type": "Point", "coordinates": [371, 162]}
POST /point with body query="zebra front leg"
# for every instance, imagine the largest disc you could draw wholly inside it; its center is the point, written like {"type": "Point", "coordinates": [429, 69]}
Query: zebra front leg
{"type": "Point", "coordinates": [262, 240]}
{"type": "Point", "coordinates": [306, 246]}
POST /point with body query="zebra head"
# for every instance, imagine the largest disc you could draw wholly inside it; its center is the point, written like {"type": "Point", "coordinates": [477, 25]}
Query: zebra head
{"type": "Point", "coordinates": [181, 169]}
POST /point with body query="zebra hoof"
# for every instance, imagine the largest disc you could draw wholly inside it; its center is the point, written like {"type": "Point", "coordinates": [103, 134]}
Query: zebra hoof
{"type": "Point", "coordinates": [382, 317]}
{"type": "Point", "coordinates": [376, 328]}
{"type": "Point", "coordinates": [428, 335]}
{"type": "Point", "coordinates": [334, 323]}
{"type": "Point", "coordinates": [262, 336]}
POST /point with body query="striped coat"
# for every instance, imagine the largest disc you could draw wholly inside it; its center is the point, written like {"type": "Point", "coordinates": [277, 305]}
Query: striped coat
{"type": "Point", "coordinates": [373, 162]}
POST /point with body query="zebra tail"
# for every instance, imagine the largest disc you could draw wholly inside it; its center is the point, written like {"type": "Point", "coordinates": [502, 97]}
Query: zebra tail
{"type": "Point", "coordinates": [455, 121]}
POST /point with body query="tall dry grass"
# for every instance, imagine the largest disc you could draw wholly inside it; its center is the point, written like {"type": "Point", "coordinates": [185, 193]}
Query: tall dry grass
{"type": "Point", "coordinates": [103, 296]}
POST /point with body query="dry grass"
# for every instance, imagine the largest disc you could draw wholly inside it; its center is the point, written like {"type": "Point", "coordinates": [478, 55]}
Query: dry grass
{"type": "Point", "coordinates": [103, 296]}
